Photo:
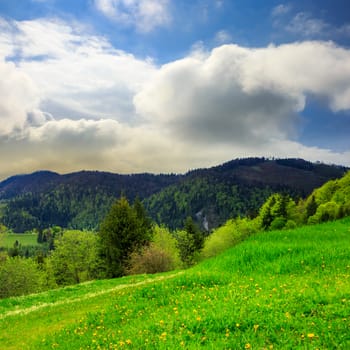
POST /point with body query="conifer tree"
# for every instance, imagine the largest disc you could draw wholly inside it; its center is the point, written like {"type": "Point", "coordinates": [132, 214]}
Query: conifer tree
{"type": "Point", "coordinates": [122, 232]}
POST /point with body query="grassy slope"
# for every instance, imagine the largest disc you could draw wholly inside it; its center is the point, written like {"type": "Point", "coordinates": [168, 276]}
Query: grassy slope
{"type": "Point", "coordinates": [281, 290]}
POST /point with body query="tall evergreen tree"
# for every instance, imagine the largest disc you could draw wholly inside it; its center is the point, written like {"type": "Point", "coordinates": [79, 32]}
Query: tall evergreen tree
{"type": "Point", "coordinates": [121, 233]}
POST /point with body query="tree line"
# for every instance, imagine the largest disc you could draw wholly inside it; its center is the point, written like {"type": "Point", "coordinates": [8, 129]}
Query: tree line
{"type": "Point", "coordinates": [129, 242]}
{"type": "Point", "coordinates": [80, 201]}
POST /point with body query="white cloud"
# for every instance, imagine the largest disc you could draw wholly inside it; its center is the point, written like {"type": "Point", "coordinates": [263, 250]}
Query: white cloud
{"type": "Point", "coordinates": [281, 10]}
{"type": "Point", "coordinates": [19, 96]}
{"type": "Point", "coordinates": [245, 96]}
{"type": "Point", "coordinates": [76, 74]}
{"type": "Point", "coordinates": [304, 24]}
{"type": "Point", "coordinates": [223, 37]}
{"type": "Point", "coordinates": [344, 30]}
{"type": "Point", "coordinates": [145, 15]}
{"type": "Point", "coordinates": [70, 102]}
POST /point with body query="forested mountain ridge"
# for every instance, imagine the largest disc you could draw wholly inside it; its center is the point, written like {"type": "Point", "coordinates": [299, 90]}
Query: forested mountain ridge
{"type": "Point", "coordinates": [133, 185]}
{"type": "Point", "coordinates": [236, 188]}
{"type": "Point", "coordinates": [81, 200]}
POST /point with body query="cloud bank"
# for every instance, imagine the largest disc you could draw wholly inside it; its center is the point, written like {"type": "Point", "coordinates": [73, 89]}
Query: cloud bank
{"type": "Point", "coordinates": [70, 101]}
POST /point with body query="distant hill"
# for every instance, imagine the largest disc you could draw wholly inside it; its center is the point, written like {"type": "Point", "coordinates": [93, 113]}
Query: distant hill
{"type": "Point", "coordinates": [133, 185]}
{"type": "Point", "coordinates": [236, 188]}
{"type": "Point", "coordinates": [212, 195]}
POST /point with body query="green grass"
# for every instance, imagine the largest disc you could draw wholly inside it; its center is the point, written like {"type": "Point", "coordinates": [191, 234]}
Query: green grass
{"type": "Point", "coordinates": [277, 290]}
{"type": "Point", "coordinates": [7, 240]}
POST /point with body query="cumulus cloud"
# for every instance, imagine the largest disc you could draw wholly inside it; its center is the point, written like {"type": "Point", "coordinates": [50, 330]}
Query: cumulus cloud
{"type": "Point", "coordinates": [72, 101]}
{"type": "Point", "coordinates": [246, 96]}
{"type": "Point", "coordinates": [76, 74]}
{"type": "Point", "coordinates": [72, 145]}
{"type": "Point", "coordinates": [19, 96]}
{"type": "Point", "coordinates": [145, 15]}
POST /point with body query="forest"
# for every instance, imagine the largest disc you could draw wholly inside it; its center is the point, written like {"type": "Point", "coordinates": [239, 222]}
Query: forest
{"type": "Point", "coordinates": [210, 196]}
{"type": "Point", "coordinates": [128, 241]}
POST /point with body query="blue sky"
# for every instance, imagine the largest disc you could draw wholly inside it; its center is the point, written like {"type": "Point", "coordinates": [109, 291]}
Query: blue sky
{"type": "Point", "coordinates": [170, 85]}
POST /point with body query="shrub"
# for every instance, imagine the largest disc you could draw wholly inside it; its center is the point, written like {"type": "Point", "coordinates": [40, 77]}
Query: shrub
{"type": "Point", "coordinates": [278, 223]}
{"type": "Point", "coordinates": [151, 259]}
{"type": "Point", "coordinates": [325, 212]}
{"type": "Point", "coordinates": [19, 276]}
{"type": "Point", "coordinates": [159, 256]}
{"type": "Point", "coordinates": [228, 235]}
{"type": "Point", "coordinates": [75, 258]}
{"type": "Point", "coordinates": [221, 239]}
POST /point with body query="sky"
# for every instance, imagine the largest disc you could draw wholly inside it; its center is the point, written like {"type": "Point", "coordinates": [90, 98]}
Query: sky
{"type": "Point", "coordinates": [166, 86]}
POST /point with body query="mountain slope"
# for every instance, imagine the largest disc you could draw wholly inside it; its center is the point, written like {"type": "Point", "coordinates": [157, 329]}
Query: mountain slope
{"type": "Point", "coordinates": [81, 200]}
{"type": "Point", "coordinates": [279, 289]}
{"type": "Point", "coordinates": [236, 188]}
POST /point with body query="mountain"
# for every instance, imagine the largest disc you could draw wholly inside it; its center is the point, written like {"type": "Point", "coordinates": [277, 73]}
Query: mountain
{"type": "Point", "coordinates": [81, 200]}
{"type": "Point", "coordinates": [39, 182]}
{"type": "Point", "coordinates": [236, 188]}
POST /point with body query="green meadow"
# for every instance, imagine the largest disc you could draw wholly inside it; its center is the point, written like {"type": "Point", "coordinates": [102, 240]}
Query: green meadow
{"type": "Point", "coordinates": [7, 240]}
{"type": "Point", "coordinates": [286, 289]}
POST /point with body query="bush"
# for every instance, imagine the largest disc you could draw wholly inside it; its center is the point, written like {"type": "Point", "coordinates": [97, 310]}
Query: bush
{"type": "Point", "coordinates": [221, 239]}
{"type": "Point", "coordinates": [159, 256]}
{"type": "Point", "coordinates": [325, 212]}
{"type": "Point", "coordinates": [19, 276]}
{"type": "Point", "coordinates": [228, 235]}
{"type": "Point", "coordinates": [150, 260]}
{"type": "Point", "coordinates": [75, 258]}
{"type": "Point", "coordinates": [290, 225]}
{"type": "Point", "coordinates": [278, 223]}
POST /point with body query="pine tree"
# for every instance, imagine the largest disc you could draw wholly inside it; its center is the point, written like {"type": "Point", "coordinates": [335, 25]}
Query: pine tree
{"type": "Point", "coordinates": [122, 232]}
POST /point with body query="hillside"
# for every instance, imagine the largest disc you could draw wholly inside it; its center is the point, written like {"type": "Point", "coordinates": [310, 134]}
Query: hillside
{"type": "Point", "coordinates": [81, 200]}
{"type": "Point", "coordinates": [277, 290]}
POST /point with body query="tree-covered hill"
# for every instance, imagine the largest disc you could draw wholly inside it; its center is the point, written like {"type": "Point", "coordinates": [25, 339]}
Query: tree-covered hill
{"type": "Point", "coordinates": [81, 200]}
{"type": "Point", "coordinates": [236, 188]}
